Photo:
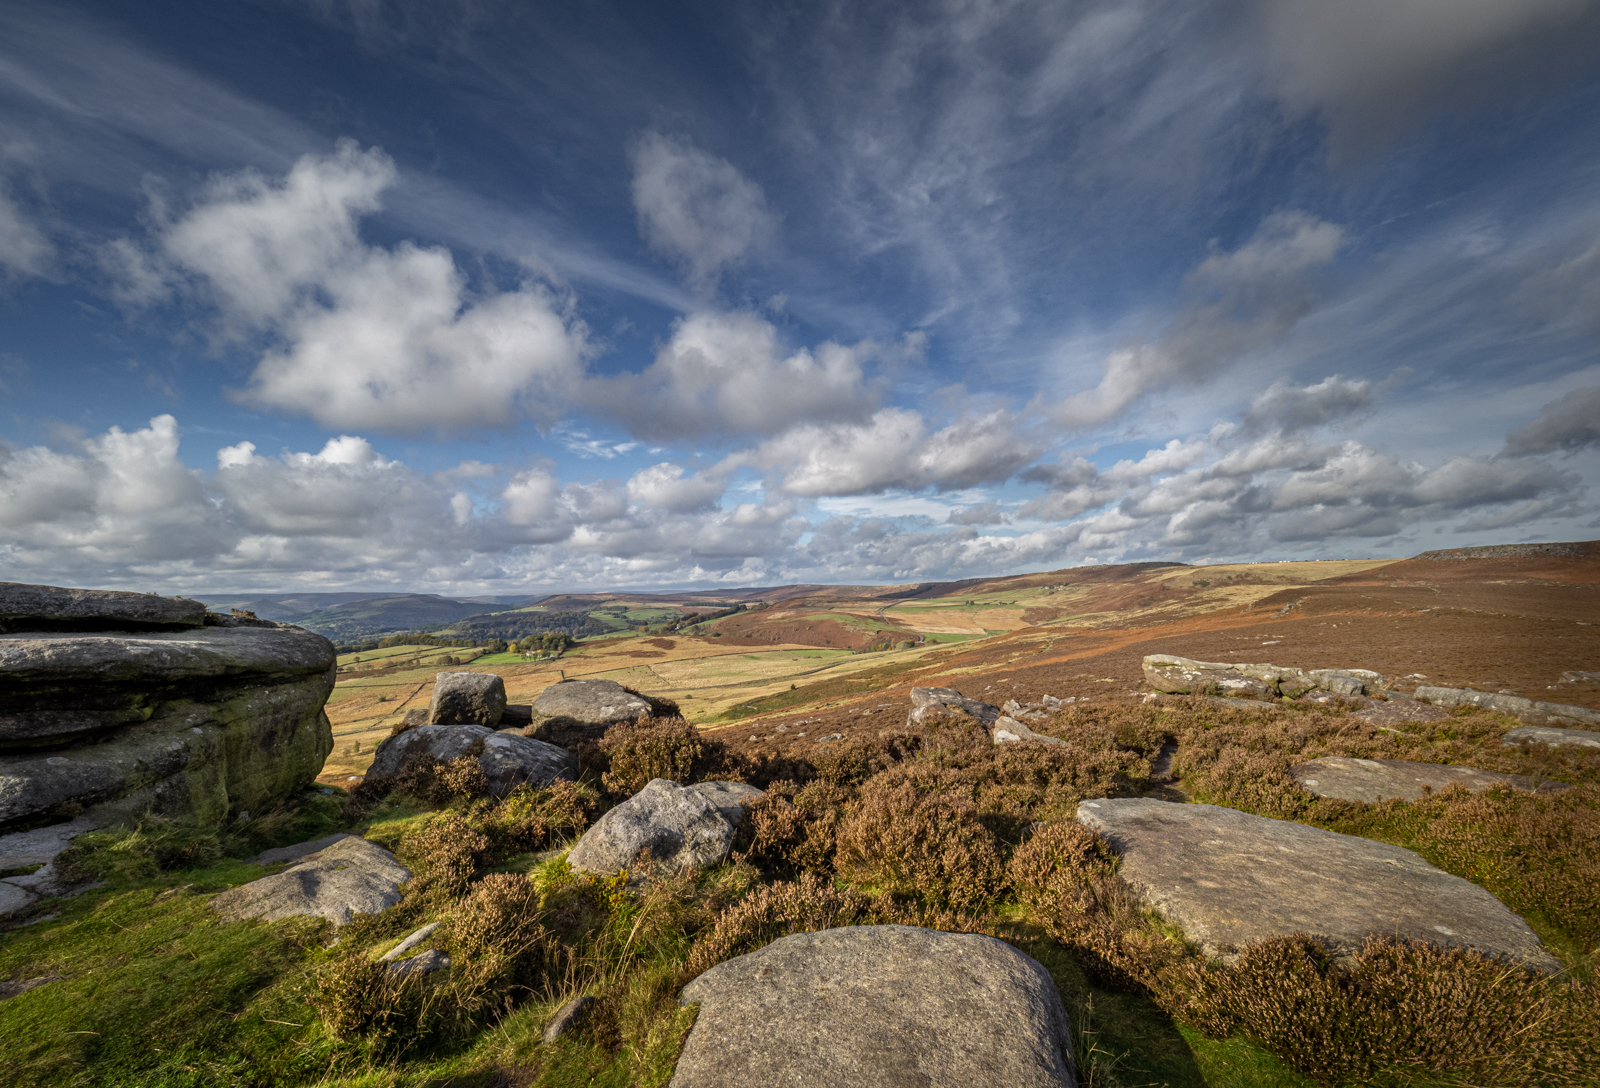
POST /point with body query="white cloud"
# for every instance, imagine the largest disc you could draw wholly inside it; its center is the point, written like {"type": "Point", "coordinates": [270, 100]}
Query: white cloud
{"type": "Point", "coordinates": [665, 487]}
{"type": "Point", "coordinates": [728, 373]}
{"type": "Point", "coordinates": [384, 339]}
{"type": "Point", "coordinates": [1287, 407]}
{"type": "Point", "coordinates": [697, 209]}
{"type": "Point", "coordinates": [1238, 301]}
{"type": "Point", "coordinates": [894, 450]}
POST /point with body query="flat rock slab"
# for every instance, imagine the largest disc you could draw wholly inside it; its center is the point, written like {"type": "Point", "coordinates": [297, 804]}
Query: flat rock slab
{"type": "Point", "coordinates": [1557, 715]}
{"type": "Point", "coordinates": [679, 827]}
{"type": "Point", "coordinates": [54, 608]}
{"type": "Point", "coordinates": [1393, 712]}
{"type": "Point", "coordinates": [877, 1007]}
{"type": "Point", "coordinates": [299, 850]}
{"type": "Point", "coordinates": [1185, 676]}
{"type": "Point", "coordinates": [353, 876]}
{"type": "Point", "coordinates": [508, 760]}
{"type": "Point", "coordinates": [13, 898]}
{"type": "Point", "coordinates": [462, 698]}
{"type": "Point", "coordinates": [1555, 738]}
{"type": "Point", "coordinates": [1374, 780]}
{"type": "Point", "coordinates": [160, 657]}
{"type": "Point", "coordinates": [1227, 879]}
{"type": "Point", "coordinates": [1008, 730]}
{"type": "Point", "coordinates": [589, 702]}
{"type": "Point", "coordinates": [41, 845]}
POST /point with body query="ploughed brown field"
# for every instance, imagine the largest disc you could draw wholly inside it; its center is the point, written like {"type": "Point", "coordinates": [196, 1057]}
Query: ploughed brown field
{"type": "Point", "coordinates": [1509, 619]}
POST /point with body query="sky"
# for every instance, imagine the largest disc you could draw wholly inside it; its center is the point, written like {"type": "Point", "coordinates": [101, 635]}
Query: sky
{"type": "Point", "coordinates": [471, 297]}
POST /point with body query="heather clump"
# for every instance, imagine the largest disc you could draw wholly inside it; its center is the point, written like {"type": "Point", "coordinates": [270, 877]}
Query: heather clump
{"type": "Point", "coordinates": [931, 845]}
{"type": "Point", "coordinates": [668, 748]}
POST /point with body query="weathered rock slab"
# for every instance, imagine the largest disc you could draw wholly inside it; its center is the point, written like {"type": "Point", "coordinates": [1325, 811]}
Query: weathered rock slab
{"type": "Point", "coordinates": [567, 1017]}
{"type": "Point", "coordinates": [1557, 715]}
{"type": "Point", "coordinates": [925, 699]}
{"type": "Point", "coordinates": [678, 827]}
{"type": "Point", "coordinates": [877, 1007]}
{"type": "Point", "coordinates": [508, 760]}
{"type": "Point", "coordinates": [1008, 730]}
{"type": "Point", "coordinates": [425, 963]}
{"type": "Point", "coordinates": [589, 702]}
{"type": "Point", "coordinates": [1185, 676]}
{"type": "Point", "coordinates": [353, 876]}
{"type": "Point", "coordinates": [729, 798]}
{"type": "Point", "coordinates": [299, 850]}
{"type": "Point", "coordinates": [1227, 879]}
{"type": "Point", "coordinates": [1374, 780]}
{"type": "Point", "coordinates": [414, 938]}
{"type": "Point", "coordinates": [56, 608]}
{"type": "Point", "coordinates": [13, 898]}
{"type": "Point", "coordinates": [467, 698]}
{"type": "Point", "coordinates": [41, 845]}
{"type": "Point", "coordinates": [1555, 738]}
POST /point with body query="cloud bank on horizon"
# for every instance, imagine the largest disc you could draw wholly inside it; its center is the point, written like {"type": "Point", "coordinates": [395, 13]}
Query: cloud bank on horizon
{"type": "Point", "coordinates": [470, 299]}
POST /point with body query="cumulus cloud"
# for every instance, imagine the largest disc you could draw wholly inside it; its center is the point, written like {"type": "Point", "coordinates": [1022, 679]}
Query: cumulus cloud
{"type": "Point", "coordinates": [665, 487]}
{"type": "Point", "coordinates": [1374, 67]}
{"type": "Point", "coordinates": [1237, 301]}
{"type": "Point", "coordinates": [696, 209]}
{"type": "Point", "coordinates": [361, 336]}
{"type": "Point", "coordinates": [893, 449]}
{"type": "Point", "coordinates": [1287, 407]}
{"type": "Point", "coordinates": [729, 373]}
{"type": "Point", "coordinates": [1566, 426]}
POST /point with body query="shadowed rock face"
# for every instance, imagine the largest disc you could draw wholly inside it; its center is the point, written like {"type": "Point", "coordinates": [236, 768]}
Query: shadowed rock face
{"type": "Point", "coordinates": [210, 721]}
{"type": "Point", "coordinates": [1373, 780]}
{"type": "Point", "coordinates": [1227, 879]}
{"type": "Point", "coordinates": [507, 759]}
{"type": "Point", "coordinates": [679, 827]}
{"type": "Point", "coordinates": [877, 1007]}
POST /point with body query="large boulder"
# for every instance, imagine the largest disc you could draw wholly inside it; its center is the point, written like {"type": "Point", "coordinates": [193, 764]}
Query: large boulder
{"type": "Point", "coordinates": [931, 706]}
{"type": "Point", "coordinates": [588, 703]}
{"type": "Point", "coordinates": [877, 1007]}
{"type": "Point", "coordinates": [1373, 780]}
{"type": "Point", "coordinates": [678, 827]}
{"type": "Point", "coordinates": [212, 721]}
{"type": "Point", "coordinates": [56, 608]}
{"type": "Point", "coordinates": [352, 876]}
{"type": "Point", "coordinates": [1185, 676]}
{"type": "Point", "coordinates": [1227, 879]}
{"type": "Point", "coordinates": [508, 760]}
{"type": "Point", "coordinates": [1558, 715]}
{"type": "Point", "coordinates": [467, 698]}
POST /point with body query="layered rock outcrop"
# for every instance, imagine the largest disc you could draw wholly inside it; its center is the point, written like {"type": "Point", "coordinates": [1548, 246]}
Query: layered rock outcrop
{"type": "Point", "coordinates": [1183, 676]}
{"type": "Point", "coordinates": [175, 711]}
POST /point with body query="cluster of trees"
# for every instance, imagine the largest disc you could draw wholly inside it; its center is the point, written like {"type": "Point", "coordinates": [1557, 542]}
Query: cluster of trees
{"type": "Point", "coordinates": [516, 626]}
{"type": "Point", "coordinates": [550, 642]}
{"type": "Point", "coordinates": [706, 617]}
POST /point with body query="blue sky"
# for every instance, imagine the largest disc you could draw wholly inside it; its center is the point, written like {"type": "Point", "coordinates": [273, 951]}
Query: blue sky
{"type": "Point", "coordinates": [492, 297]}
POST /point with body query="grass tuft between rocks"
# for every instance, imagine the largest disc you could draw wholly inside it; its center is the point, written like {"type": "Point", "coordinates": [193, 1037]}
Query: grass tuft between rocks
{"type": "Point", "coordinates": [940, 829]}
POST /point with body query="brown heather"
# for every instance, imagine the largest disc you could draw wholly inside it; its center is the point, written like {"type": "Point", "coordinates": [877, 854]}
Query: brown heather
{"type": "Point", "coordinates": [669, 748]}
{"type": "Point", "coordinates": [930, 845]}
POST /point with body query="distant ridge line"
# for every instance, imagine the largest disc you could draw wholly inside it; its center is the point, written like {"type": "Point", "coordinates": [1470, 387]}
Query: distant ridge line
{"type": "Point", "coordinates": [1571, 549]}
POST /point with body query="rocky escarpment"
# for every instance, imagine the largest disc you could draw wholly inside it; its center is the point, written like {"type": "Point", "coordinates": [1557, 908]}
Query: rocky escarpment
{"type": "Point", "coordinates": [176, 711]}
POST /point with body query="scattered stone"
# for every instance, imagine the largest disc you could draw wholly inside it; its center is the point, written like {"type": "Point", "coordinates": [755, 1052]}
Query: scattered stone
{"type": "Point", "coordinates": [588, 703]}
{"type": "Point", "coordinates": [350, 877]}
{"type": "Point", "coordinates": [206, 722]}
{"type": "Point", "coordinates": [412, 940]}
{"type": "Point", "coordinates": [297, 851]}
{"type": "Point", "coordinates": [1577, 677]}
{"type": "Point", "coordinates": [678, 827]}
{"type": "Point", "coordinates": [54, 608]}
{"type": "Point", "coordinates": [508, 760]}
{"type": "Point", "coordinates": [1008, 730]}
{"type": "Point", "coordinates": [1558, 715]}
{"type": "Point", "coordinates": [877, 1007]}
{"type": "Point", "coordinates": [467, 698]}
{"type": "Point", "coordinates": [1227, 879]}
{"type": "Point", "coordinates": [567, 1017]}
{"type": "Point", "coordinates": [1374, 780]}
{"type": "Point", "coordinates": [1387, 714]}
{"type": "Point", "coordinates": [22, 986]}
{"type": "Point", "coordinates": [424, 964]}
{"type": "Point", "coordinates": [417, 715]}
{"type": "Point", "coordinates": [1555, 738]}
